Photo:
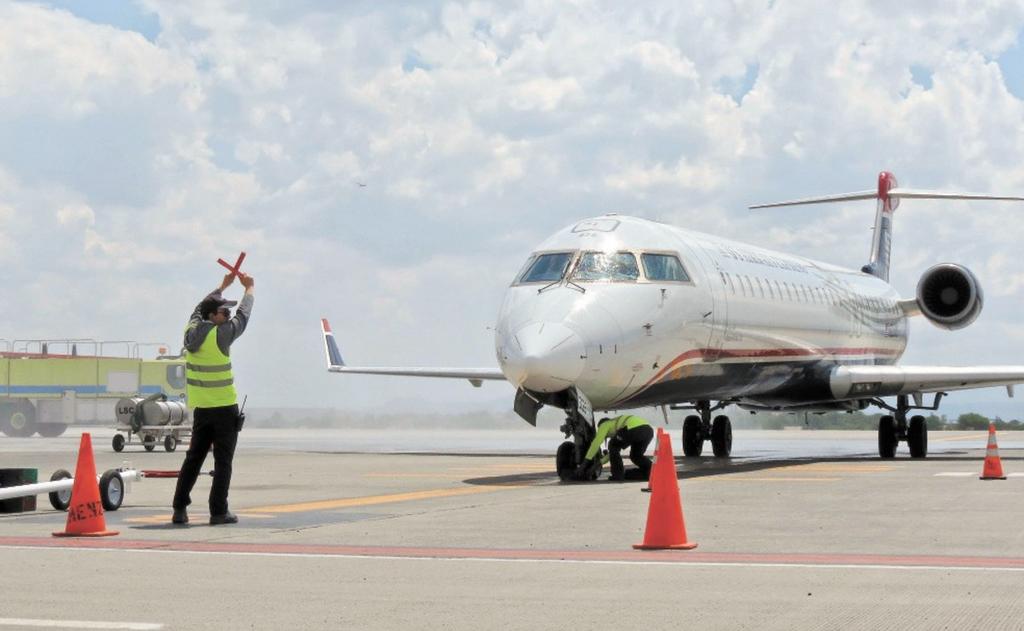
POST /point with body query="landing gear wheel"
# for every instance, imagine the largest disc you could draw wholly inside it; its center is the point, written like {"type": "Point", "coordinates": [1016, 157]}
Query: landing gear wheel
{"type": "Point", "coordinates": [111, 490]}
{"type": "Point", "coordinates": [565, 463]}
{"type": "Point", "coordinates": [118, 442]}
{"type": "Point", "coordinates": [51, 430]}
{"type": "Point", "coordinates": [19, 420]}
{"type": "Point", "coordinates": [60, 500]}
{"type": "Point", "coordinates": [917, 437]}
{"type": "Point", "coordinates": [721, 437]}
{"type": "Point", "coordinates": [170, 442]}
{"type": "Point", "coordinates": [693, 438]}
{"type": "Point", "coordinates": [149, 442]}
{"type": "Point", "coordinates": [887, 438]}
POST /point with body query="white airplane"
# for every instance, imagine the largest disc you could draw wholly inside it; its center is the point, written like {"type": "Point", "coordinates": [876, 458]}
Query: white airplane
{"type": "Point", "coordinates": [618, 312]}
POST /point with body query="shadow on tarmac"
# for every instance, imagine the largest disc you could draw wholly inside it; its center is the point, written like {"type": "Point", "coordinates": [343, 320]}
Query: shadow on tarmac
{"type": "Point", "coordinates": [687, 468]}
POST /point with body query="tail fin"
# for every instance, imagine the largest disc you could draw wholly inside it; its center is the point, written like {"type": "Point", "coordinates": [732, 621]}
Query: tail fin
{"type": "Point", "coordinates": [881, 240]}
{"type": "Point", "coordinates": [888, 196]}
{"type": "Point", "coordinates": [330, 346]}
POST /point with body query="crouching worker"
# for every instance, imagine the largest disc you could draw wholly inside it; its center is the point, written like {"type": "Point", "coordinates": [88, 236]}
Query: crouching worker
{"type": "Point", "coordinates": [621, 432]}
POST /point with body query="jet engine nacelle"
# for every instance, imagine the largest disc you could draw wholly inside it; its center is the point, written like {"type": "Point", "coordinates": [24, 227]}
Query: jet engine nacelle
{"type": "Point", "coordinates": [949, 295]}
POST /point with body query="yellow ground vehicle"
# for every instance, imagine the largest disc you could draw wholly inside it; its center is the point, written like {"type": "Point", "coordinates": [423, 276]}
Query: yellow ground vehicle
{"type": "Point", "coordinates": [45, 391]}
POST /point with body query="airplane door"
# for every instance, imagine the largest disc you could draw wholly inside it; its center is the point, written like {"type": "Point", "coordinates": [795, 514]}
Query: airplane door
{"type": "Point", "coordinates": [718, 317]}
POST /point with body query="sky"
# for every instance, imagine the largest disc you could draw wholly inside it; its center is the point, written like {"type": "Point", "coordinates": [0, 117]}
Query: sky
{"type": "Point", "coordinates": [390, 165]}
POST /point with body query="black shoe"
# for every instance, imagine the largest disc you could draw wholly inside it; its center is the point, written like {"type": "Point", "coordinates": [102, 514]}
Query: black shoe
{"type": "Point", "coordinates": [180, 516]}
{"type": "Point", "coordinates": [226, 518]}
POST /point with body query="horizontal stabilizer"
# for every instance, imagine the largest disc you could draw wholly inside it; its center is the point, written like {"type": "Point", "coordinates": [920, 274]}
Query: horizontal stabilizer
{"type": "Point", "coordinates": [335, 363]}
{"type": "Point", "coordinates": [825, 199]}
{"type": "Point", "coordinates": [895, 193]}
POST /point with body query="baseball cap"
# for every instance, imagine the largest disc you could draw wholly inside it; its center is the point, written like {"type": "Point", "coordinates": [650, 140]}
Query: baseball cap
{"type": "Point", "coordinates": [213, 302]}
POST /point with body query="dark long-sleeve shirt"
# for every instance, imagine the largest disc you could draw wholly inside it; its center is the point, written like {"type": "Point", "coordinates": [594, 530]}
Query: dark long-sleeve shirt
{"type": "Point", "coordinates": [227, 333]}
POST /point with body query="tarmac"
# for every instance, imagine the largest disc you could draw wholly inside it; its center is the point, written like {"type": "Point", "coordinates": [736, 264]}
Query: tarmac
{"type": "Point", "coordinates": [333, 538]}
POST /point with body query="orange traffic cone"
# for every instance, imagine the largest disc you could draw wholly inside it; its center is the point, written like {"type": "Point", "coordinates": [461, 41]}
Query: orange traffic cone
{"type": "Point", "coordinates": [665, 527]}
{"type": "Point", "coordinates": [993, 469]}
{"type": "Point", "coordinates": [85, 513]}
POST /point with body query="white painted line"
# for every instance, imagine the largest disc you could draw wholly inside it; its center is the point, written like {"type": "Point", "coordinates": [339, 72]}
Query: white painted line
{"type": "Point", "coordinates": [78, 624]}
{"type": "Point", "coordinates": [967, 474]}
{"type": "Point", "coordinates": [679, 564]}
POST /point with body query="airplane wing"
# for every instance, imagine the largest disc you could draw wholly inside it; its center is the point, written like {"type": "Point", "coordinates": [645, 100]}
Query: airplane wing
{"type": "Point", "coordinates": [885, 381]}
{"type": "Point", "coordinates": [335, 363]}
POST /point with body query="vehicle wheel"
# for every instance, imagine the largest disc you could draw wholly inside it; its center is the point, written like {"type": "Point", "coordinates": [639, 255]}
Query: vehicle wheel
{"type": "Point", "coordinates": [721, 436]}
{"type": "Point", "coordinates": [170, 442]}
{"type": "Point", "coordinates": [51, 430]}
{"type": "Point", "coordinates": [111, 490]}
{"type": "Point", "coordinates": [60, 500]}
{"type": "Point", "coordinates": [118, 442]}
{"type": "Point", "coordinates": [149, 442]}
{"type": "Point", "coordinates": [565, 461]}
{"type": "Point", "coordinates": [693, 438]}
{"type": "Point", "coordinates": [19, 420]}
{"type": "Point", "coordinates": [917, 437]}
{"type": "Point", "coordinates": [887, 439]}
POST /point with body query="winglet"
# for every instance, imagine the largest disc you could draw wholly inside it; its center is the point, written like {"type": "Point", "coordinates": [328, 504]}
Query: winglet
{"type": "Point", "coordinates": [330, 346]}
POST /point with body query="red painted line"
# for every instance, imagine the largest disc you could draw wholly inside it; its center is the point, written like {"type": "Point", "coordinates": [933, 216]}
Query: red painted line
{"type": "Point", "coordinates": [663, 556]}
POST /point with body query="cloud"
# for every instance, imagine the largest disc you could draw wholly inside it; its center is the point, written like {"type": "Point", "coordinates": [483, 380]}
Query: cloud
{"type": "Point", "coordinates": [394, 165]}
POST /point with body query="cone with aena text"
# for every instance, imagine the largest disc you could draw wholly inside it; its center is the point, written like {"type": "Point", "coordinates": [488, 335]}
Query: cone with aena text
{"type": "Point", "coordinates": [993, 469]}
{"type": "Point", "coordinates": [85, 512]}
{"type": "Point", "coordinates": [665, 527]}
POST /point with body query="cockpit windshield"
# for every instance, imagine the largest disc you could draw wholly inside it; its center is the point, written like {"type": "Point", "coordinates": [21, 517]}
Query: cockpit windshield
{"type": "Point", "coordinates": [546, 268]}
{"type": "Point", "coordinates": [613, 266]}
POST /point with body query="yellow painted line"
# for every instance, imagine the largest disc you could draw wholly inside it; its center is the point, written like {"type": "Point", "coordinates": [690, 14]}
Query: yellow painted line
{"type": "Point", "coordinates": [838, 468]}
{"type": "Point", "coordinates": [455, 476]}
{"type": "Point", "coordinates": [458, 476]}
{"type": "Point", "coordinates": [373, 500]}
{"type": "Point", "coordinates": [165, 519]}
{"type": "Point", "coordinates": [946, 439]}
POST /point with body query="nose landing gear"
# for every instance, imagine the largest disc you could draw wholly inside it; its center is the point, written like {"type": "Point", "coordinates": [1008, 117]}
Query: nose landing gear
{"type": "Point", "coordinates": [579, 426]}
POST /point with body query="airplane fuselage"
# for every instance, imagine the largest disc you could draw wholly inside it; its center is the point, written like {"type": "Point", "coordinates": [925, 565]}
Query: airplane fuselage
{"type": "Point", "coordinates": [740, 323]}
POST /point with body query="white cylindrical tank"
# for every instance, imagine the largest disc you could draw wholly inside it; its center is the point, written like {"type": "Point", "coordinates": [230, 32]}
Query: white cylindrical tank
{"type": "Point", "coordinates": [164, 412]}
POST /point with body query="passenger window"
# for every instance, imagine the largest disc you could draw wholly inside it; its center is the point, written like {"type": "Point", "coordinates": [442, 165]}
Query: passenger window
{"type": "Point", "coordinates": [547, 268]}
{"type": "Point", "coordinates": [614, 266]}
{"type": "Point", "coordinates": [664, 267]}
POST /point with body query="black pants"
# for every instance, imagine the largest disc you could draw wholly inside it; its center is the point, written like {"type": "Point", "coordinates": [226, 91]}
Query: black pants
{"type": "Point", "coordinates": [637, 439]}
{"type": "Point", "coordinates": [216, 427]}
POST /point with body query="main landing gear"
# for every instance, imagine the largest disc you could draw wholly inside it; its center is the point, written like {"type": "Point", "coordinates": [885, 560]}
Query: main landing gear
{"type": "Point", "coordinates": [896, 428]}
{"type": "Point", "coordinates": [697, 429]}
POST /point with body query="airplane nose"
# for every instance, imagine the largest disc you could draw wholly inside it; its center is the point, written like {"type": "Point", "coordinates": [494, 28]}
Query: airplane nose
{"type": "Point", "coordinates": [544, 357]}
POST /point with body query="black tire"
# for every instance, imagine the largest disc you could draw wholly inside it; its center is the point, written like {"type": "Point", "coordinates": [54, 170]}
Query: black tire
{"type": "Point", "coordinates": [149, 442]}
{"type": "Point", "coordinates": [170, 442]}
{"type": "Point", "coordinates": [917, 437]}
{"type": "Point", "coordinates": [60, 500]}
{"type": "Point", "coordinates": [111, 490]}
{"type": "Point", "coordinates": [117, 443]}
{"type": "Point", "coordinates": [887, 439]}
{"type": "Point", "coordinates": [721, 436]}
{"type": "Point", "coordinates": [19, 419]}
{"type": "Point", "coordinates": [693, 437]}
{"type": "Point", "coordinates": [565, 461]}
{"type": "Point", "coordinates": [51, 430]}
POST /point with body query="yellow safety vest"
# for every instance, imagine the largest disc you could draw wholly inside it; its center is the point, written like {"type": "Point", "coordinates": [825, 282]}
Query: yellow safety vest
{"type": "Point", "coordinates": [611, 427]}
{"type": "Point", "coordinates": [209, 378]}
